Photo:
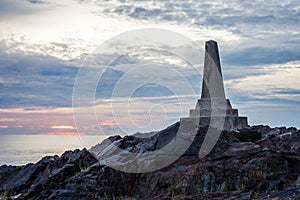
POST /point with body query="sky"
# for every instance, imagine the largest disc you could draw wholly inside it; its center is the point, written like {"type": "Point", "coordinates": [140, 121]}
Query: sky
{"type": "Point", "coordinates": [45, 43]}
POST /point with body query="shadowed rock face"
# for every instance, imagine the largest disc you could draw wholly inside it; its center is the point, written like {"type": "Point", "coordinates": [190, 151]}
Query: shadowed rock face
{"type": "Point", "coordinates": [254, 162]}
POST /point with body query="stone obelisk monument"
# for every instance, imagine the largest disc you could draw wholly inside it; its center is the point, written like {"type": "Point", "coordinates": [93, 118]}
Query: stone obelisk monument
{"type": "Point", "coordinates": [213, 108]}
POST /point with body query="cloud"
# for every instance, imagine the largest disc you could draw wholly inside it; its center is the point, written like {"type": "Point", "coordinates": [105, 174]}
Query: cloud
{"type": "Point", "coordinates": [275, 83]}
{"type": "Point", "coordinates": [13, 8]}
{"type": "Point", "coordinates": [216, 13]}
{"type": "Point", "coordinates": [260, 32]}
{"type": "Point", "coordinates": [37, 1]}
{"type": "Point", "coordinates": [36, 121]}
{"type": "Point", "coordinates": [261, 55]}
{"type": "Point", "coordinates": [32, 79]}
{"type": "Point", "coordinates": [66, 49]}
{"type": "Point", "coordinates": [35, 80]}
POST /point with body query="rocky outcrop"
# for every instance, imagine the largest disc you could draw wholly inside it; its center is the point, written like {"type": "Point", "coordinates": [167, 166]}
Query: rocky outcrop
{"type": "Point", "coordinates": [254, 162]}
{"type": "Point", "coordinates": [50, 173]}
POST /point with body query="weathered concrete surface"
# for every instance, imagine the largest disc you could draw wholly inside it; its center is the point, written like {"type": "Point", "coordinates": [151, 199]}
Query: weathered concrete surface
{"type": "Point", "coordinates": [213, 108]}
{"type": "Point", "coordinates": [212, 77]}
{"type": "Point", "coordinates": [217, 122]}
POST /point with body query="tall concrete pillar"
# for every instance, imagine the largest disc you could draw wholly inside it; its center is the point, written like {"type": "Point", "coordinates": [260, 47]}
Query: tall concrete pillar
{"type": "Point", "coordinates": [212, 86]}
{"type": "Point", "coordinates": [213, 109]}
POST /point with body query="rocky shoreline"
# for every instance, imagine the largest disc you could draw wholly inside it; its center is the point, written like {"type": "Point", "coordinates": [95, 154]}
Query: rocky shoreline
{"type": "Point", "coordinates": [256, 162]}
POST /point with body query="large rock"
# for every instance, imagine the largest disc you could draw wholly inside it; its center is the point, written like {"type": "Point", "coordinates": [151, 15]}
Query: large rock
{"type": "Point", "coordinates": [49, 172]}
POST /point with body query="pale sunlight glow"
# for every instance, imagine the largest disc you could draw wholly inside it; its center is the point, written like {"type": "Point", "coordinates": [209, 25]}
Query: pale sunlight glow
{"type": "Point", "coordinates": [63, 127]}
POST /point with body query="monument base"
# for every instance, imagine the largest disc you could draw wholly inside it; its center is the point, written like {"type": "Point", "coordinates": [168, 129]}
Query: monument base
{"type": "Point", "coordinates": [227, 123]}
{"type": "Point", "coordinates": [214, 112]}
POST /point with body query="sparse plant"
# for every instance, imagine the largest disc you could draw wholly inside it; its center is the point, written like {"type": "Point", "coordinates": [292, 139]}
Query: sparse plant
{"type": "Point", "coordinates": [4, 196]}
{"type": "Point", "coordinates": [175, 190]}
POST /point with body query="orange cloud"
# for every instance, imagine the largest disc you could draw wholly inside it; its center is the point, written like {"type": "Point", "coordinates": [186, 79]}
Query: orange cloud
{"type": "Point", "coordinates": [108, 122]}
{"type": "Point", "coordinates": [18, 126]}
{"type": "Point", "coordinates": [4, 127]}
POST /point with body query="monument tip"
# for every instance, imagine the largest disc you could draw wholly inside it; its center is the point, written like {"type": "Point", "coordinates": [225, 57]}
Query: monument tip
{"type": "Point", "coordinates": [211, 44]}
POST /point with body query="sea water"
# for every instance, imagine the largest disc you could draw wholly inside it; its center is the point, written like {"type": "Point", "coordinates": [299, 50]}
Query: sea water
{"type": "Point", "coordinates": [23, 149]}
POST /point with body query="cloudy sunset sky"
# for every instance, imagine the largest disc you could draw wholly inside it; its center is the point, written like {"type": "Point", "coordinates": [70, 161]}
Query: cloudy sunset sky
{"type": "Point", "coordinates": [43, 44]}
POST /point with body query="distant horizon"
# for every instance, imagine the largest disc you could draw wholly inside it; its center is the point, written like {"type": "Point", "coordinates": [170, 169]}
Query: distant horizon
{"type": "Point", "coordinates": [106, 135]}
